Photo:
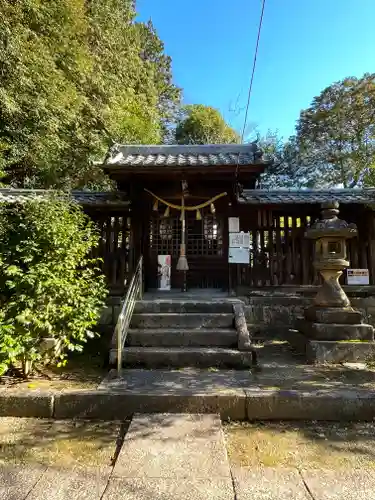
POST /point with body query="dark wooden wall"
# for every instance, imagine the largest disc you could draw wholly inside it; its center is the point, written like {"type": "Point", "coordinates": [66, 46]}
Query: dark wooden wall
{"type": "Point", "coordinates": [115, 246]}
{"type": "Point", "coordinates": [280, 255]}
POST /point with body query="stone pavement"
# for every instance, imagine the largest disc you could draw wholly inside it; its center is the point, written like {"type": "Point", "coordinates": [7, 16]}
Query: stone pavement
{"type": "Point", "coordinates": [292, 484]}
{"type": "Point", "coordinates": [161, 457]}
{"type": "Point", "coordinates": [272, 375]}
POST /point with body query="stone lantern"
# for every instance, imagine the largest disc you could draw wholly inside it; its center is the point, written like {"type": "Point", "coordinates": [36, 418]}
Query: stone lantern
{"type": "Point", "coordinates": [331, 330]}
{"type": "Point", "coordinates": [330, 235]}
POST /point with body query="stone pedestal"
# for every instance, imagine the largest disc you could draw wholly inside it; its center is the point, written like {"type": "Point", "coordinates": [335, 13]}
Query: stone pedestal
{"type": "Point", "coordinates": [331, 331]}
{"type": "Point", "coordinates": [333, 335]}
{"type": "Point", "coordinates": [331, 351]}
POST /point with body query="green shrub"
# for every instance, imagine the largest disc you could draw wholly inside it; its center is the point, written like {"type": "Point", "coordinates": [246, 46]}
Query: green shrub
{"type": "Point", "coordinates": [50, 286]}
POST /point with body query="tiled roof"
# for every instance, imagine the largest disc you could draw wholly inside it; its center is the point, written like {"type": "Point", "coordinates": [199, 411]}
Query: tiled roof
{"type": "Point", "coordinates": [260, 196]}
{"type": "Point", "coordinates": [82, 197]}
{"type": "Point", "coordinates": [184, 155]}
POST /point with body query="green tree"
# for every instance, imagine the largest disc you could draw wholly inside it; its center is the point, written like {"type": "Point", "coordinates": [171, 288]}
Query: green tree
{"type": "Point", "coordinates": [37, 101]}
{"type": "Point", "coordinates": [335, 140]}
{"type": "Point", "coordinates": [76, 75]}
{"type": "Point", "coordinates": [199, 124]}
{"type": "Point", "coordinates": [49, 284]}
{"type": "Point", "coordinates": [283, 171]}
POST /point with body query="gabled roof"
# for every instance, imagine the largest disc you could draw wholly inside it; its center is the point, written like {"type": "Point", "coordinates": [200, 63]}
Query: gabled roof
{"type": "Point", "coordinates": [86, 198]}
{"type": "Point", "coordinates": [301, 196]}
{"type": "Point", "coordinates": [190, 155]}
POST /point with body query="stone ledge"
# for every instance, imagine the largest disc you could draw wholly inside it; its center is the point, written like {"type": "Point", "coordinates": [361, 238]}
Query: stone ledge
{"type": "Point", "coordinates": [334, 332]}
{"type": "Point", "coordinates": [330, 351]}
{"type": "Point", "coordinates": [340, 352]}
{"type": "Point", "coordinates": [36, 404]}
{"type": "Point", "coordinates": [237, 404]}
{"type": "Point", "coordinates": [296, 405]}
{"type": "Point", "coordinates": [244, 341]}
{"type": "Point", "coordinates": [329, 315]}
{"type": "Point", "coordinates": [114, 406]}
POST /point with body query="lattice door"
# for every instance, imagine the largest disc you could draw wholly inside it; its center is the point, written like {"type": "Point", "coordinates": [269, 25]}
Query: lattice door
{"type": "Point", "coordinates": [165, 235]}
{"type": "Point", "coordinates": [204, 250]}
{"type": "Point", "coordinates": [164, 239]}
{"type": "Point", "coordinates": [204, 237]}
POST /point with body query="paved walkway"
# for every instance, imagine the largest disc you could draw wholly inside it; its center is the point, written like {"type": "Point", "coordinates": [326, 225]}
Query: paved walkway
{"type": "Point", "coordinates": [273, 375]}
{"type": "Point", "coordinates": [171, 457]}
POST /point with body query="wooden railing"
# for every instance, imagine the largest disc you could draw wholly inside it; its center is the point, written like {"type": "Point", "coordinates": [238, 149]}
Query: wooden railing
{"type": "Point", "coordinates": [134, 293]}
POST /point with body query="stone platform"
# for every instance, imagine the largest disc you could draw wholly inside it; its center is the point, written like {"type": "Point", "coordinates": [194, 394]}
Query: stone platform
{"type": "Point", "coordinates": [333, 335]}
{"type": "Point", "coordinates": [318, 351]}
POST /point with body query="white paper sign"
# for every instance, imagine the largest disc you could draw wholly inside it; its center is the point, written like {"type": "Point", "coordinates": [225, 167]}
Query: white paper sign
{"type": "Point", "coordinates": [164, 272]}
{"type": "Point", "coordinates": [239, 240]}
{"type": "Point", "coordinates": [239, 255]}
{"type": "Point", "coordinates": [234, 224]}
{"type": "Point", "coordinates": [358, 277]}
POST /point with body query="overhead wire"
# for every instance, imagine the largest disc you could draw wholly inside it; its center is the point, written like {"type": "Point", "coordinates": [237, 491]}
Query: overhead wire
{"type": "Point", "coordinates": [251, 80]}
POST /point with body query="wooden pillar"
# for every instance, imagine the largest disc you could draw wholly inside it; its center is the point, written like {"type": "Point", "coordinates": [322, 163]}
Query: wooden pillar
{"type": "Point", "coordinates": [371, 246]}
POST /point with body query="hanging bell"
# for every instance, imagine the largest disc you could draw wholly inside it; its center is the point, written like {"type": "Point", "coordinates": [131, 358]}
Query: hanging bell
{"type": "Point", "coordinates": [198, 215]}
{"type": "Point", "coordinates": [212, 208]}
{"type": "Point", "coordinates": [166, 213]}
{"type": "Point", "coordinates": [156, 206]}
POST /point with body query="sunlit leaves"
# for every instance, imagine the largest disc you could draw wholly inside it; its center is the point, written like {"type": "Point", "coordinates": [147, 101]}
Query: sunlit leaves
{"type": "Point", "coordinates": [49, 285]}
{"type": "Point", "coordinates": [199, 124]}
{"type": "Point", "coordinates": [74, 76]}
{"type": "Point", "coordinates": [336, 134]}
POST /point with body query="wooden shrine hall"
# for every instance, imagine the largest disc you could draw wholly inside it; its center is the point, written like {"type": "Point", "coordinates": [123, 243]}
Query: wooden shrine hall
{"type": "Point", "coordinates": [197, 216]}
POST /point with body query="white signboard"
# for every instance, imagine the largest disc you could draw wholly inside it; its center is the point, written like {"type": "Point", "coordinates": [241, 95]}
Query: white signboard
{"type": "Point", "coordinates": [239, 240]}
{"type": "Point", "coordinates": [358, 277]}
{"type": "Point", "coordinates": [239, 255]}
{"type": "Point", "coordinates": [234, 224]}
{"type": "Point", "coordinates": [164, 272]}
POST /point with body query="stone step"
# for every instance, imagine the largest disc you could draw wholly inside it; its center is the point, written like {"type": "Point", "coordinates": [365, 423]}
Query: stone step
{"type": "Point", "coordinates": [172, 337]}
{"type": "Point", "coordinates": [183, 306]}
{"type": "Point", "coordinates": [179, 357]}
{"type": "Point", "coordinates": [182, 320]}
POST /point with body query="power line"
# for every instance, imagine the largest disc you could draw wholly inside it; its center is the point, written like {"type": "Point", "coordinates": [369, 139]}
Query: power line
{"type": "Point", "coordinates": [251, 80]}
{"type": "Point", "coordinates": [253, 70]}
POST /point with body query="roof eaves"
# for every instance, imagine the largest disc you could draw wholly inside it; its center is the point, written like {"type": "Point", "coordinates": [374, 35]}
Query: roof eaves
{"type": "Point", "coordinates": [86, 198]}
{"type": "Point", "coordinates": [354, 196]}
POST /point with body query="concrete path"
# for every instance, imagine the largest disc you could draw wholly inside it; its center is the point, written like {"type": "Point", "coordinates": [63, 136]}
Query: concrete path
{"type": "Point", "coordinates": [275, 376]}
{"type": "Point", "coordinates": [172, 457]}
{"type": "Point", "coordinates": [293, 484]}
{"type": "Point", "coordinates": [163, 457]}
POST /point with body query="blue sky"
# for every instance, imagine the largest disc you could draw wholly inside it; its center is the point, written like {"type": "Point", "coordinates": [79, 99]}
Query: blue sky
{"type": "Point", "coordinates": [305, 46]}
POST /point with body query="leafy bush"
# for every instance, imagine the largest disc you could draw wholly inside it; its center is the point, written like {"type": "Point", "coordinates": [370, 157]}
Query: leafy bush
{"type": "Point", "coordinates": [50, 286]}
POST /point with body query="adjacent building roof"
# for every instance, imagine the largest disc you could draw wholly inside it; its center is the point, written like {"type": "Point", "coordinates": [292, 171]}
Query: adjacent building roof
{"type": "Point", "coordinates": [191, 155]}
{"type": "Point", "coordinates": [86, 198]}
{"type": "Point", "coordinates": [302, 196]}
{"type": "Point", "coordinates": [248, 196]}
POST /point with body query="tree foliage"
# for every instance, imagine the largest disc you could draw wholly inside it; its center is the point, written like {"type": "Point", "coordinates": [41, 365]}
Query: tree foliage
{"type": "Point", "coordinates": [335, 140]}
{"type": "Point", "coordinates": [50, 286]}
{"type": "Point", "coordinates": [334, 143]}
{"type": "Point", "coordinates": [199, 124]}
{"type": "Point", "coordinates": [287, 168]}
{"type": "Point", "coordinates": [74, 76]}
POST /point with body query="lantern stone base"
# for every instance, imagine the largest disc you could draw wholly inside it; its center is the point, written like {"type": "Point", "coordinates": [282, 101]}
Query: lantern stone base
{"type": "Point", "coordinates": [335, 331]}
{"type": "Point", "coordinates": [331, 351]}
{"type": "Point", "coordinates": [343, 315]}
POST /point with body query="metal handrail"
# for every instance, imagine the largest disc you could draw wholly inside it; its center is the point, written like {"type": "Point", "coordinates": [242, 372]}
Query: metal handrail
{"type": "Point", "coordinates": [134, 293]}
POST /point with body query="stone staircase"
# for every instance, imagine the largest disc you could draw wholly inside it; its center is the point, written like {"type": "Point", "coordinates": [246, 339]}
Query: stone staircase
{"type": "Point", "coordinates": [180, 333]}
